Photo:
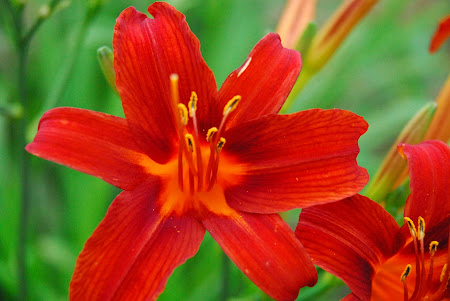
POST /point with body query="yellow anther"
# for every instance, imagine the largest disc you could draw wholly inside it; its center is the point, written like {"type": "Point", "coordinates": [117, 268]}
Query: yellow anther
{"type": "Point", "coordinates": [433, 247]}
{"type": "Point", "coordinates": [411, 226]}
{"type": "Point", "coordinates": [421, 228]}
{"type": "Point", "coordinates": [189, 142]}
{"type": "Point", "coordinates": [192, 104]}
{"type": "Point", "coordinates": [220, 144]}
{"type": "Point", "coordinates": [210, 133]}
{"type": "Point", "coordinates": [183, 113]}
{"type": "Point", "coordinates": [444, 271]}
{"type": "Point", "coordinates": [405, 273]}
{"type": "Point", "coordinates": [231, 105]}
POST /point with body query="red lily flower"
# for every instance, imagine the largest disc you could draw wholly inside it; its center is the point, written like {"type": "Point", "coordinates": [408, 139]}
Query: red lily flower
{"type": "Point", "coordinates": [361, 243]}
{"type": "Point", "coordinates": [179, 176]}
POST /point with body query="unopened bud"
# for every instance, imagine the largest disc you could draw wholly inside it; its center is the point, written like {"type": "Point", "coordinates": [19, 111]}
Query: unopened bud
{"type": "Point", "coordinates": [394, 168]}
{"type": "Point", "coordinates": [106, 58]}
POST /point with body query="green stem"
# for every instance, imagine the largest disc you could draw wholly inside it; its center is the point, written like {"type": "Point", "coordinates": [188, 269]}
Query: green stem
{"type": "Point", "coordinates": [22, 42]}
{"type": "Point", "coordinates": [64, 77]}
{"type": "Point", "coordinates": [24, 163]}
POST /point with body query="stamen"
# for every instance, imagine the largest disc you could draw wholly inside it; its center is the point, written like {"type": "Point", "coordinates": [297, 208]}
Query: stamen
{"type": "Point", "coordinates": [412, 230]}
{"type": "Point", "coordinates": [192, 109]}
{"type": "Point", "coordinates": [411, 226]}
{"type": "Point", "coordinates": [403, 280]}
{"type": "Point", "coordinates": [421, 228]}
{"type": "Point", "coordinates": [210, 137]}
{"type": "Point", "coordinates": [210, 133]}
{"type": "Point", "coordinates": [189, 142]}
{"type": "Point", "coordinates": [219, 148]}
{"type": "Point", "coordinates": [433, 247]}
{"type": "Point", "coordinates": [180, 166]}
{"type": "Point", "coordinates": [192, 104]}
{"type": "Point", "coordinates": [183, 114]}
{"type": "Point", "coordinates": [220, 144]}
{"type": "Point", "coordinates": [444, 282]}
{"type": "Point", "coordinates": [420, 236]}
{"type": "Point", "coordinates": [443, 272]}
{"type": "Point", "coordinates": [231, 105]}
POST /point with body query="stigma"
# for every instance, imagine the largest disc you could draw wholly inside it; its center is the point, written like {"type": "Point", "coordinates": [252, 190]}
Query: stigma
{"type": "Point", "coordinates": [196, 170]}
{"type": "Point", "coordinates": [423, 288]}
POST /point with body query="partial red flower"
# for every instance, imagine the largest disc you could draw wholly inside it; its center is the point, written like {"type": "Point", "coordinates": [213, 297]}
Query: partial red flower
{"type": "Point", "coordinates": [441, 34]}
{"type": "Point", "coordinates": [361, 243]}
{"type": "Point", "coordinates": [191, 158]}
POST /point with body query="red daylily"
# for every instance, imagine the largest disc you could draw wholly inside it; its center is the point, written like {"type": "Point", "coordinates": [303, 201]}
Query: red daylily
{"type": "Point", "coordinates": [181, 178]}
{"type": "Point", "coordinates": [360, 242]}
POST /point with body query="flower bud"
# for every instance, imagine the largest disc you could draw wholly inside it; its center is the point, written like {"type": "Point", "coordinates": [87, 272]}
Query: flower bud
{"type": "Point", "coordinates": [296, 16]}
{"type": "Point", "coordinates": [106, 58]}
{"type": "Point", "coordinates": [394, 168]}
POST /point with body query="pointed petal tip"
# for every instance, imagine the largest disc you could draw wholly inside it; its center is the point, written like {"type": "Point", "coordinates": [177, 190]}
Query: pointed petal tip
{"type": "Point", "coordinates": [441, 34]}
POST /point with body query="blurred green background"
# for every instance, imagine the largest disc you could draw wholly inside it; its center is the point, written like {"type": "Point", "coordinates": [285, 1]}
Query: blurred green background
{"type": "Point", "coordinates": [382, 72]}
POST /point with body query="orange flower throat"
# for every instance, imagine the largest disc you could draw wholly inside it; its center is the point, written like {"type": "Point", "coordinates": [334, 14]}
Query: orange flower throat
{"type": "Point", "coordinates": [196, 176]}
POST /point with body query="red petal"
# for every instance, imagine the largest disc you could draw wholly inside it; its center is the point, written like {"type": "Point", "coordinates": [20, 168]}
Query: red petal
{"type": "Point", "coordinates": [297, 160]}
{"type": "Point", "coordinates": [350, 297]}
{"type": "Point", "coordinates": [266, 250]}
{"type": "Point", "coordinates": [429, 169]}
{"type": "Point", "coordinates": [441, 34]}
{"type": "Point", "coordinates": [146, 52]}
{"type": "Point", "coordinates": [264, 80]}
{"type": "Point", "coordinates": [350, 239]}
{"type": "Point", "coordinates": [91, 142]}
{"type": "Point", "coordinates": [134, 249]}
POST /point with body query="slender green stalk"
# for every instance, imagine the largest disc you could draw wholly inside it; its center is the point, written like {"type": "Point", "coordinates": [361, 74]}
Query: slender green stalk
{"type": "Point", "coordinates": [64, 76]}
{"type": "Point", "coordinates": [22, 42]}
{"type": "Point", "coordinates": [24, 162]}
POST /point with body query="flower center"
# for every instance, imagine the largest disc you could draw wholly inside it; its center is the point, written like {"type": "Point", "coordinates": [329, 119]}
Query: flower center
{"type": "Point", "coordinates": [196, 175]}
{"type": "Point", "coordinates": [423, 288]}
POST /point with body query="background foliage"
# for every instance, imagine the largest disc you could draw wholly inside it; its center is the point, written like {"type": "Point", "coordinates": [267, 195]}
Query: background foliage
{"type": "Point", "coordinates": [382, 72]}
